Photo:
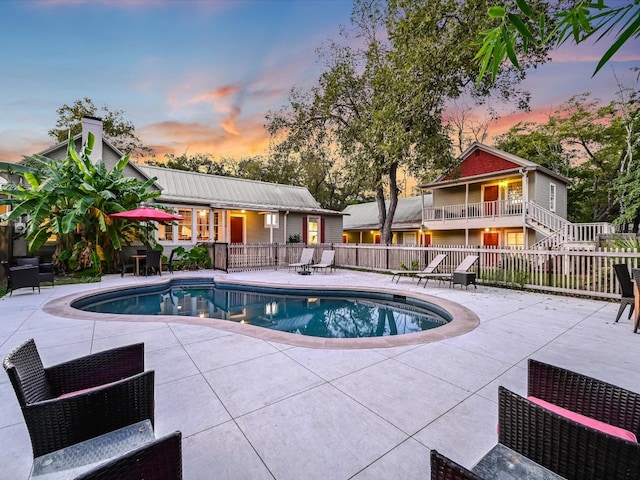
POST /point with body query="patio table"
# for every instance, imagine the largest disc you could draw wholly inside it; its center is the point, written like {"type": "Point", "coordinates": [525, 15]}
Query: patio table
{"type": "Point", "coordinates": [71, 461]}
{"type": "Point", "coordinates": [502, 463]}
{"type": "Point", "coordinates": [138, 258]}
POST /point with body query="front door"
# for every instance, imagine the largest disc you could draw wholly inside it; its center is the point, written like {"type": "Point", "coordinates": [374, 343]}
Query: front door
{"type": "Point", "coordinates": [491, 194]}
{"type": "Point", "coordinates": [490, 240]}
{"type": "Point", "coordinates": [237, 229]}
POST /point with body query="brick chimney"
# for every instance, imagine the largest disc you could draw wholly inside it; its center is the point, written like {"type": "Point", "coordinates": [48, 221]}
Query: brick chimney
{"type": "Point", "coordinates": [93, 125]}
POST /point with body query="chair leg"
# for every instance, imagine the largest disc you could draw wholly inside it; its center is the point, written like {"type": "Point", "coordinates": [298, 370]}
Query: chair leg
{"type": "Point", "coordinates": [623, 305]}
{"type": "Point", "coordinates": [631, 311]}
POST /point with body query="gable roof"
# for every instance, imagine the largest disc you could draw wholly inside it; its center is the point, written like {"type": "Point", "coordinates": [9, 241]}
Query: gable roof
{"type": "Point", "coordinates": [180, 186]}
{"type": "Point", "coordinates": [364, 216]}
{"type": "Point", "coordinates": [481, 161]}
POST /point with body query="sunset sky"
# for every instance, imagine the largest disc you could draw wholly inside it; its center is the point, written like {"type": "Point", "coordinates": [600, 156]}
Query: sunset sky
{"type": "Point", "coordinates": [199, 76]}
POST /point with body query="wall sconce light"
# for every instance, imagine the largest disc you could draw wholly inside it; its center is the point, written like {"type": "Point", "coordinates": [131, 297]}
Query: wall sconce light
{"type": "Point", "coordinates": [486, 229]}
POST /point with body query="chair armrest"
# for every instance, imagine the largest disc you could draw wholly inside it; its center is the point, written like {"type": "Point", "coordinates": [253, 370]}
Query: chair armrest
{"type": "Point", "coordinates": [96, 369]}
{"type": "Point", "coordinates": [585, 395]}
{"type": "Point", "coordinates": [46, 268]}
{"type": "Point", "coordinates": [159, 460]}
{"type": "Point", "coordinates": [60, 422]}
{"type": "Point", "coordinates": [562, 445]}
{"type": "Point", "coordinates": [443, 468]}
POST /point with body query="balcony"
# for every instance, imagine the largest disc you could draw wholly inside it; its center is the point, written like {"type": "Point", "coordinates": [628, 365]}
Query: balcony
{"type": "Point", "coordinates": [508, 213]}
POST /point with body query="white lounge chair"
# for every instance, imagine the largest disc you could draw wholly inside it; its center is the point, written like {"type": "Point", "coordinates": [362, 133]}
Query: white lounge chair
{"type": "Point", "coordinates": [460, 274]}
{"type": "Point", "coordinates": [326, 261]}
{"type": "Point", "coordinates": [306, 259]}
{"type": "Point", "coordinates": [429, 269]}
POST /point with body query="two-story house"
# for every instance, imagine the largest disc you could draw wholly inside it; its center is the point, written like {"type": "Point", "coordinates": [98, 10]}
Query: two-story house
{"type": "Point", "coordinates": [495, 199]}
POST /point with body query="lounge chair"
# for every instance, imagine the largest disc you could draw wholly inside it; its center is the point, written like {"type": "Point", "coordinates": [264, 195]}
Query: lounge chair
{"type": "Point", "coordinates": [627, 298]}
{"type": "Point", "coordinates": [327, 261]}
{"type": "Point", "coordinates": [461, 273]}
{"type": "Point", "coordinates": [83, 398]}
{"type": "Point", "coordinates": [429, 269]}
{"type": "Point", "coordinates": [306, 259]}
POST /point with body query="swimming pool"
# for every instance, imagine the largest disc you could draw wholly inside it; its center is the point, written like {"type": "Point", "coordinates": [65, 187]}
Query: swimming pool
{"type": "Point", "coordinates": [328, 313]}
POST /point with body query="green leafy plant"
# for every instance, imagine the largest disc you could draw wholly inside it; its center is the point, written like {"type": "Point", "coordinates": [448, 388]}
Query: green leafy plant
{"type": "Point", "coordinates": [294, 238]}
{"type": "Point", "coordinates": [414, 265]}
{"type": "Point", "coordinates": [195, 259]}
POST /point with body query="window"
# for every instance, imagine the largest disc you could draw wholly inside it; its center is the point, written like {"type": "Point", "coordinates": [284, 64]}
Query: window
{"type": "Point", "coordinates": [165, 232]}
{"type": "Point", "coordinates": [185, 225]}
{"type": "Point", "coordinates": [271, 220]}
{"type": "Point", "coordinates": [552, 197]}
{"type": "Point", "coordinates": [216, 226]}
{"type": "Point", "coordinates": [203, 225]}
{"type": "Point", "coordinates": [313, 230]}
{"type": "Point", "coordinates": [515, 240]}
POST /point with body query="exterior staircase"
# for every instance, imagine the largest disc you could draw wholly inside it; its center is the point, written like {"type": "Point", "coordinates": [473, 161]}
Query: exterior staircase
{"type": "Point", "coordinates": [560, 233]}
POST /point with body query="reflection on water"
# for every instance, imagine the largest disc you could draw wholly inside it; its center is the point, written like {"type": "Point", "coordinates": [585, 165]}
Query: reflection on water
{"type": "Point", "coordinates": [329, 317]}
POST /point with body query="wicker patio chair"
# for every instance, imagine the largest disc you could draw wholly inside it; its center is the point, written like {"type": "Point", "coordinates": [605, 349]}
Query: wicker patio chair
{"type": "Point", "coordinates": [636, 277]}
{"type": "Point", "coordinates": [153, 262]}
{"type": "Point", "coordinates": [80, 399]}
{"type": "Point", "coordinates": [45, 270]}
{"type": "Point", "coordinates": [21, 277]}
{"type": "Point", "coordinates": [158, 460]}
{"type": "Point", "coordinates": [443, 468]}
{"type": "Point", "coordinates": [627, 298]}
{"type": "Point", "coordinates": [562, 445]}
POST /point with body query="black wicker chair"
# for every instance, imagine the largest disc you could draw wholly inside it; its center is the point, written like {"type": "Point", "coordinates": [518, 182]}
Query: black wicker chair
{"type": "Point", "coordinates": [158, 460]}
{"type": "Point", "coordinates": [124, 267]}
{"type": "Point", "coordinates": [113, 391]}
{"type": "Point", "coordinates": [443, 468]}
{"type": "Point", "coordinates": [21, 277]}
{"type": "Point", "coordinates": [168, 265]}
{"type": "Point", "coordinates": [627, 298]}
{"type": "Point", "coordinates": [45, 270]}
{"type": "Point", "coordinates": [559, 444]}
{"type": "Point", "coordinates": [153, 262]}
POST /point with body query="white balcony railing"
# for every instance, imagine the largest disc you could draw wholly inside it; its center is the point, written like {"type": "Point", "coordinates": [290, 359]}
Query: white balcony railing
{"type": "Point", "coordinates": [497, 208]}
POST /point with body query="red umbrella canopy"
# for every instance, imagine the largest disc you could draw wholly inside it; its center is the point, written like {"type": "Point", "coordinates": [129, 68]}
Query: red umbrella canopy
{"type": "Point", "coordinates": [147, 213]}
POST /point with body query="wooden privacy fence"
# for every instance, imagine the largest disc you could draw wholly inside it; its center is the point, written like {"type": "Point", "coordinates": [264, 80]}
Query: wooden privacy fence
{"type": "Point", "coordinates": [577, 272]}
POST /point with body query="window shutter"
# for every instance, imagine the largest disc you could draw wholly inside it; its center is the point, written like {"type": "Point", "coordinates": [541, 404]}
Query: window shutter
{"type": "Point", "coordinates": [305, 226]}
{"type": "Point", "coordinates": [322, 230]}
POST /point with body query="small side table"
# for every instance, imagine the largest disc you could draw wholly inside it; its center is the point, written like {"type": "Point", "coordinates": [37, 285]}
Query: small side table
{"type": "Point", "coordinates": [464, 278]}
{"type": "Point", "coordinates": [75, 459]}
{"type": "Point", "coordinates": [502, 463]}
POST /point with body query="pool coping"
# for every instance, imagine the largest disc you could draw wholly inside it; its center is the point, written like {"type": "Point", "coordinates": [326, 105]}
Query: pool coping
{"type": "Point", "coordinates": [464, 320]}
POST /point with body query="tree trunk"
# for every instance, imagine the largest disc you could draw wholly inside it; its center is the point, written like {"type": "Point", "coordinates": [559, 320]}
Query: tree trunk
{"type": "Point", "coordinates": [386, 232]}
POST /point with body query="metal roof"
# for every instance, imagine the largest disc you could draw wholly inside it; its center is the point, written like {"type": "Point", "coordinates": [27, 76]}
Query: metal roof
{"type": "Point", "coordinates": [181, 186]}
{"type": "Point", "coordinates": [364, 216]}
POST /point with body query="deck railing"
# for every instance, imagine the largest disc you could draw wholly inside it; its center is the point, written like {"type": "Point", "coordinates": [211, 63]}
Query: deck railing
{"type": "Point", "coordinates": [587, 273]}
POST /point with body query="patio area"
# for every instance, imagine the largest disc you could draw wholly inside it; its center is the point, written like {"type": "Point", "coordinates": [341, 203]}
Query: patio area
{"type": "Point", "coordinates": [256, 409]}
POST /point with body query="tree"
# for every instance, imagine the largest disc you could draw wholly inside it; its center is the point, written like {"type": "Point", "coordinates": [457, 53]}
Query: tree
{"type": "Point", "coordinates": [199, 162]}
{"type": "Point", "coordinates": [71, 199]}
{"type": "Point", "coordinates": [379, 102]}
{"type": "Point", "coordinates": [523, 26]}
{"type": "Point", "coordinates": [119, 132]}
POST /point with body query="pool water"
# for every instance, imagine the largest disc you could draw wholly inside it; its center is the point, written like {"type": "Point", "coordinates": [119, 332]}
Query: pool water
{"type": "Point", "coordinates": [317, 313]}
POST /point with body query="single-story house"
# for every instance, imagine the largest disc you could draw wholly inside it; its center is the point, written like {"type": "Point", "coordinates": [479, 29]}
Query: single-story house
{"type": "Point", "coordinates": [360, 223]}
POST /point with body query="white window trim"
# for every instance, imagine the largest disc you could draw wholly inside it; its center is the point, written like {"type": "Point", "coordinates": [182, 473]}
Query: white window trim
{"type": "Point", "coordinates": [272, 215]}
{"type": "Point", "coordinates": [553, 195]}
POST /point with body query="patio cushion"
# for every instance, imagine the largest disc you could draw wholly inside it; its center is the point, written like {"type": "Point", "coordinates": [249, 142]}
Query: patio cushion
{"type": "Point", "coordinates": [586, 421]}
{"type": "Point", "coordinates": [85, 390]}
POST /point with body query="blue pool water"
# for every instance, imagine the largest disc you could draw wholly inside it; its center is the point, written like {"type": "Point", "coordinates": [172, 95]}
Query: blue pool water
{"type": "Point", "coordinates": [328, 313]}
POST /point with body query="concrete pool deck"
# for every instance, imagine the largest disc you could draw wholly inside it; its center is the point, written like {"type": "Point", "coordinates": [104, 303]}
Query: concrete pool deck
{"type": "Point", "coordinates": [251, 408]}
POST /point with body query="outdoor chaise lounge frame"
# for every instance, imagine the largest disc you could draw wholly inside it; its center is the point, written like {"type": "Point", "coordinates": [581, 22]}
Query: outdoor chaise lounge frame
{"type": "Point", "coordinates": [557, 443]}
{"type": "Point", "coordinates": [464, 267]}
{"type": "Point", "coordinates": [80, 399]}
{"type": "Point", "coordinates": [428, 270]}
{"type": "Point", "coordinates": [327, 261]}
{"type": "Point", "coordinates": [306, 259]}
